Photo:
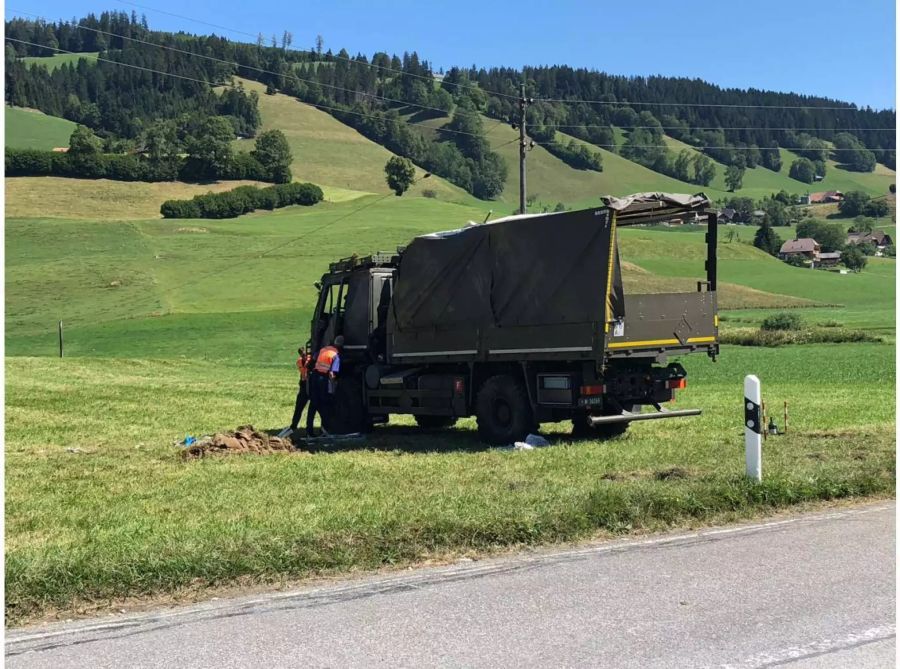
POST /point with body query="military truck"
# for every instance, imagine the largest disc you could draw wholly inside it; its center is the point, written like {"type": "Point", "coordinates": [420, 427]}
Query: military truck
{"type": "Point", "coordinates": [518, 321]}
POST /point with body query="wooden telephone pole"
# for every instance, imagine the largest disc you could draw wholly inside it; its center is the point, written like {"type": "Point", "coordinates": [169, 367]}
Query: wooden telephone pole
{"type": "Point", "coordinates": [523, 145]}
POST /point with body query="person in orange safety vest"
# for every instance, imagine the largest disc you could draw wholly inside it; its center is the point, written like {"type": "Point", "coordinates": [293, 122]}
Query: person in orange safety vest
{"type": "Point", "coordinates": [322, 384]}
{"type": "Point", "coordinates": [303, 363]}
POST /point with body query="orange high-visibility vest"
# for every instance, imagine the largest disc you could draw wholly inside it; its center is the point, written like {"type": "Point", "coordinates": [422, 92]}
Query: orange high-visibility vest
{"type": "Point", "coordinates": [326, 359]}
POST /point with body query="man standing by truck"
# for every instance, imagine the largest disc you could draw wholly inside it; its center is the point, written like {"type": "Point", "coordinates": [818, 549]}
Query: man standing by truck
{"type": "Point", "coordinates": [303, 360]}
{"type": "Point", "coordinates": [322, 384]}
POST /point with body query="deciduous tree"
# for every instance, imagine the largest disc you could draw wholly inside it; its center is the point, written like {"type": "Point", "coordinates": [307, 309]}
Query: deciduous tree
{"type": "Point", "coordinates": [399, 174]}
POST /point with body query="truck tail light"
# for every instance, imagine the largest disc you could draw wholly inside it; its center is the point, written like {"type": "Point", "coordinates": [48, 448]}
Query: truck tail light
{"type": "Point", "coordinates": [459, 387]}
{"type": "Point", "coordinates": [593, 390]}
{"type": "Point", "coordinates": [676, 384]}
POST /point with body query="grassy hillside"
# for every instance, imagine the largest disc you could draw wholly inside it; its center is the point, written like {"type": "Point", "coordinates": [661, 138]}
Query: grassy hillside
{"type": "Point", "coordinates": [100, 199]}
{"type": "Point", "coordinates": [54, 61]}
{"type": "Point", "coordinates": [760, 182]}
{"type": "Point", "coordinates": [551, 180]}
{"type": "Point", "coordinates": [874, 183]}
{"type": "Point", "coordinates": [31, 129]}
{"type": "Point", "coordinates": [329, 153]}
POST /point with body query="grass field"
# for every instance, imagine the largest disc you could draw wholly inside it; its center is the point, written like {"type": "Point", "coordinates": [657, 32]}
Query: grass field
{"type": "Point", "coordinates": [176, 327]}
{"type": "Point", "coordinates": [759, 182]}
{"type": "Point", "coordinates": [99, 199]}
{"type": "Point", "coordinates": [328, 152]}
{"type": "Point", "coordinates": [56, 60]}
{"type": "Point", "coordinates": [144, 287]}
{"type": "Point", "coordinates": [124, 516]}
{"type": "Point", "coordinates": [550, 180]}
{"type": "Point", "coordinates": [31, 129]}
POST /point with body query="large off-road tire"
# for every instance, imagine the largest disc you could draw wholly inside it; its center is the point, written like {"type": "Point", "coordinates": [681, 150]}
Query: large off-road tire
{"type": "Point", "coordinates": [582, 429]}
{"type": "Point", "coordinates": [435, 422]}
{"type": "Point", "coordinates": [348, 413]}
{"type": "Point", "coordinates": [503, 411]}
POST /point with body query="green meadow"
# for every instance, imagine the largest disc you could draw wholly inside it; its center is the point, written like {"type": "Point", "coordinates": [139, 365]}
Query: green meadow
{"type": "Point", "coordinates": [190, 326]}
{"type": "Point", "coordinates": [31, 129]}
{"type": "Point", "coordinates": [59, 59]}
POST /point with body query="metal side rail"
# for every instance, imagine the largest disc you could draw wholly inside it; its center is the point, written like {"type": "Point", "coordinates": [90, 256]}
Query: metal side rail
{"type": "Point", "coordinates": [628, 416]}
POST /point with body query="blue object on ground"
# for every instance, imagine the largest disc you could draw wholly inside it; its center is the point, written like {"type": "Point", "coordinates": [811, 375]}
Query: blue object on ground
{"type": "Point", "coordinates": [188, 440]}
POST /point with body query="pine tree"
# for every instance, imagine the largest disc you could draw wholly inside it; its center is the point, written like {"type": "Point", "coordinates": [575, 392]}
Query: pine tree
{"type": "Point", "coordinates": [767, 240]}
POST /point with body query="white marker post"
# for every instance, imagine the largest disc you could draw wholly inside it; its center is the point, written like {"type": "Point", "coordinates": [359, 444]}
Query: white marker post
{"type": "Point", "coordinates": [753, 427]}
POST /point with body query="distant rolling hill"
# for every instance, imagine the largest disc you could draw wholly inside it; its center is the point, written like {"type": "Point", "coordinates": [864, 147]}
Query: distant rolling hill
{"type": "Point", "coordinates": [552, 180]}
{"type": "Point", "coordinates": [31, 129]}
{"type": "Point", "coordinates": [759, 181]}
{"type": "Point", "coordinates": [347, 164]}
{"type": "Point", "coordinates": [332, 154]}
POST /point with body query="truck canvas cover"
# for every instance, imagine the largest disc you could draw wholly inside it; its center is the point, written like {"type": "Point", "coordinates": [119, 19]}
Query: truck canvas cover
{"type": "Point", "coordinates": [529, 286]}
{"type": "Point", "coordinates": [533, 283]}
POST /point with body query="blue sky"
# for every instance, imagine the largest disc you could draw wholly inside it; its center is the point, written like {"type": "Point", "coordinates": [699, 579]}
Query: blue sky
{"type": "Point", "coordinates": [839, 49]}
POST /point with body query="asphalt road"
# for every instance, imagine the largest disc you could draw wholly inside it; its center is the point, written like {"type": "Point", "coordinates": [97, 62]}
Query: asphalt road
{"type": "Point", "coordinates": [811, 591]}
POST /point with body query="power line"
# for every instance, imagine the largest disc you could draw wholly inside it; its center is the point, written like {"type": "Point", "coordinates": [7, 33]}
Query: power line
{"type": "Point", "coordinates": [692, 128]}
{"type": "Point", "coordinates": [497, 93]}
{"type": "Point", "coordinates": [310, 51]}
{"type": "Point", "coordinates": [107, 60]}
{"type": "Point", "coordinates": [231, 85]}
{"type": "Point", "coordinates": [631, 103]}
{"type": "Point", "coordinates": [355, 113]}
{"type": "Point", "coordinates": [247, 67]}
{"type": "Point", "coordinates": [431, 79]}
{"type": "Point", "coordinates": [691, 146]}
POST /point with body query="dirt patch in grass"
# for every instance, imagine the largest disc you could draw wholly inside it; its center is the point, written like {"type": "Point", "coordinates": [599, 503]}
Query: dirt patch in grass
{"type": "Point", "coordinates": [671, 474]}
{"type": "Point", "coordinates": [244, 440]}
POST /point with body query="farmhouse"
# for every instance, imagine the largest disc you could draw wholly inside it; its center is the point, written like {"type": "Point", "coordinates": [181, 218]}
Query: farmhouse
{"type": "Point", "coordinates": [806, 247]}
{"type": "Point", "coordinates": [829, 259]}
{"type": "Point", "coordinates": [823, 198]}
{"type": "Point", "coordinates": [877, 237]}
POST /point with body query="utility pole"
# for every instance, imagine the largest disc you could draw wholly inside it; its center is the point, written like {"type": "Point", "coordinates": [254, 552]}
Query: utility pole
{"type": "Point", "coordinates": [523, 145]}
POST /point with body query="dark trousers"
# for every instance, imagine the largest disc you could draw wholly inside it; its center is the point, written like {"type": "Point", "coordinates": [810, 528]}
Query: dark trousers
{"type": "Point", "coordinates": [319, 400]}
{"type": "Point", "coordinates": [302, 399]}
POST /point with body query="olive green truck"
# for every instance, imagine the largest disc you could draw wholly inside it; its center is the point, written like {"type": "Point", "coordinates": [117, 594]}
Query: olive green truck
{"type": "Point", "coordinates": [519, 321]}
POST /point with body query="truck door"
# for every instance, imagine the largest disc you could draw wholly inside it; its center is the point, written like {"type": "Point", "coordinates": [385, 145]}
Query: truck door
{"type": "Point", "coordinates": [382, 285]}
{"type": "Point", "coordinates": [354, 323]}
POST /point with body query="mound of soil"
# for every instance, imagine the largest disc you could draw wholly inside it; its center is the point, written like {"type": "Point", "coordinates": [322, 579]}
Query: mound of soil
{"type": "Point", "coordinates": [245, 439]}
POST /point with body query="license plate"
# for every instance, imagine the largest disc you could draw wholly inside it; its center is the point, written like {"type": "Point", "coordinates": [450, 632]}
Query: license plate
{"type": "Point", "coordinates": [590, 401]}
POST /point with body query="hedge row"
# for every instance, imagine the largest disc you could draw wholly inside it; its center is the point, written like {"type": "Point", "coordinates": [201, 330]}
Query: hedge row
{"type": "Point", "coordinates": [31, 162]}
{"type": "Point", "coordinates": [772, 338]}
{"type": "Point", "coordinates": [242, 200]}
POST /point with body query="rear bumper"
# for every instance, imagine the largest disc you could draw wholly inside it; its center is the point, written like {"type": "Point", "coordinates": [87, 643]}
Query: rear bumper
{"type": "Point", "coordinates": [628, 416]}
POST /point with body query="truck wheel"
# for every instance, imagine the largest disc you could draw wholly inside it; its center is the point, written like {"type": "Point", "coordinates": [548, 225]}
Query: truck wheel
{"type": "Point", "coordinates": [503, 411]}
{"type": "Point", "coordinates": [582, 429]}
{"type": "Point", "coordinates": [435, 422]}
{"type": "Point", "coordinates": [348, 413]}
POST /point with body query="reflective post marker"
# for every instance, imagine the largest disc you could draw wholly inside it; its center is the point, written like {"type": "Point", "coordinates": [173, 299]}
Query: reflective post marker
{"type": "Point", "coordinates": [753, 427]}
